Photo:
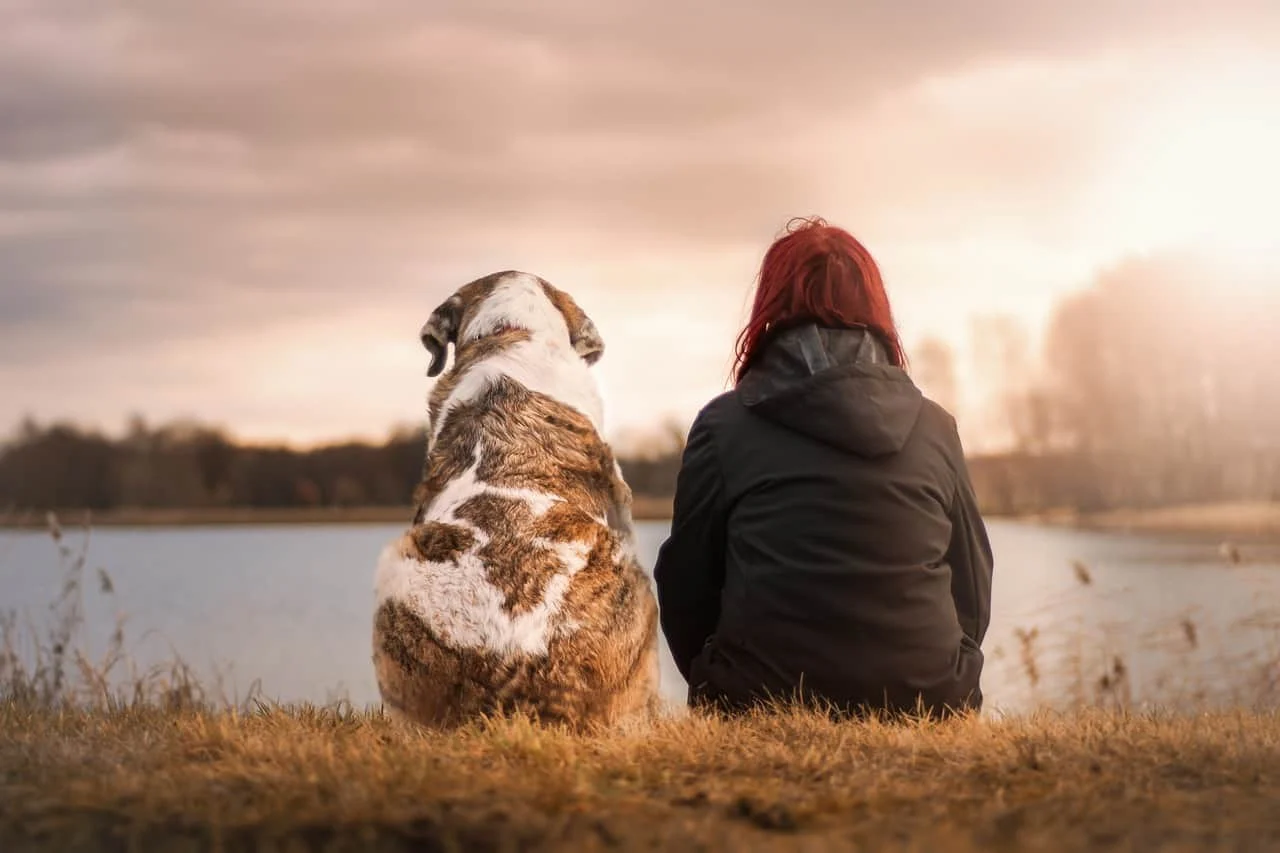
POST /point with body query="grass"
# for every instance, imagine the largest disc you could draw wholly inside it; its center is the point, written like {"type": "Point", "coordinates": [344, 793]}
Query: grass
{"type": "Point", "coordinates": [96, 756]}
{"type": "Point", "coordinates": [308, 778]}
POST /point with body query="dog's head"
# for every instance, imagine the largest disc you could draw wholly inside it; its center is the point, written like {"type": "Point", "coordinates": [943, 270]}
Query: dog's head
{"type": "Point", "coordinates": [503, 301]}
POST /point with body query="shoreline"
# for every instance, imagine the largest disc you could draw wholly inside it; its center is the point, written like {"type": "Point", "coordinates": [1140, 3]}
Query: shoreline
{"type": "Point", "coordinates": [644, 509]}
{"type": "Point", "coordinates": [1241, 520]}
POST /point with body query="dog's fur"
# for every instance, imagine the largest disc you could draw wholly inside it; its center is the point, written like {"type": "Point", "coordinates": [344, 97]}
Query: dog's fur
{"type": "Point", "coordinates": [517, 588]}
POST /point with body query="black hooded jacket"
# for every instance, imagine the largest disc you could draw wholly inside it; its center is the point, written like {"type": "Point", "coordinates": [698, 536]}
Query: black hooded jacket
{"type": "Point", "coordinates": [826, 540]}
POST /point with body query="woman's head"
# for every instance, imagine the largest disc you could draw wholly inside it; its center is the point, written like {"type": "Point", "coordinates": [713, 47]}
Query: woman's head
{"type": "Point", "coordinates": [817, 273]}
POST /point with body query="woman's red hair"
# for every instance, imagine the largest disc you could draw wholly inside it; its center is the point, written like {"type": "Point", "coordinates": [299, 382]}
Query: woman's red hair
{"type": "Point", "coordinates": [817, 273]}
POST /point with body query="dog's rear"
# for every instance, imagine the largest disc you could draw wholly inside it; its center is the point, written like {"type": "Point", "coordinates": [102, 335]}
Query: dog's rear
{"type": "Point", "coordinates": [518, 587]}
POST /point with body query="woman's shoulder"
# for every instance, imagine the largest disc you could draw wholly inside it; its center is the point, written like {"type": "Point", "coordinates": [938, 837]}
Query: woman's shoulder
{"type": "Point", "coordinates": [940, 429]}
{"type": "Point", "coordinates": [719, 411]}
{"type": "Point", "coordinates": [937, 416]}
{"type": "Point", "coordinates": [722, 403]}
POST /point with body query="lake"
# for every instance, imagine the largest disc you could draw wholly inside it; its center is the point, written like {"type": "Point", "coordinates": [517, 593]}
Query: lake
{"type": "Point", "coordinates": [1077, 616]}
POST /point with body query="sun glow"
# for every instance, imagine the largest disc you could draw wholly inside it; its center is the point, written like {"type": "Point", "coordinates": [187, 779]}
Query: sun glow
{"type": "Point", "coordinates": [1201, 171]}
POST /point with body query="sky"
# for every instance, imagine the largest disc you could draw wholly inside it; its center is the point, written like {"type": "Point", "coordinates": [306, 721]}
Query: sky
{"type": "Point", "coordinates": [243, 212]}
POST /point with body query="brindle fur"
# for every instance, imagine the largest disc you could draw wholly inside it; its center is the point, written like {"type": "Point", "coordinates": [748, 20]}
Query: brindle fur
{"type": "Point", "coordinates": [604, 671]}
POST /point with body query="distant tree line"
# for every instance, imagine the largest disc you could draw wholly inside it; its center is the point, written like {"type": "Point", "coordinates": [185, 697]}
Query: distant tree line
{"type": "Point", "coordinates": [1157, 385]}
{"type": "Point", "coordinates": [192, 466]}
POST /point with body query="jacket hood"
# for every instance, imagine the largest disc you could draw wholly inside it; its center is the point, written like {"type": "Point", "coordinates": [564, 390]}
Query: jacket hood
{"type": "Point", "coordinates": [834, 385]}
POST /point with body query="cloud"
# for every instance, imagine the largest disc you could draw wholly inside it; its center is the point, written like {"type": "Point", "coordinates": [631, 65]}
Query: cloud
{"type": "Point", "coordinates": [181, 176]}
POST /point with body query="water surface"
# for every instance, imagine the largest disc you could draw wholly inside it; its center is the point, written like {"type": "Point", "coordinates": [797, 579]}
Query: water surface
{"type": "Point", "coordinates": [290, 607]}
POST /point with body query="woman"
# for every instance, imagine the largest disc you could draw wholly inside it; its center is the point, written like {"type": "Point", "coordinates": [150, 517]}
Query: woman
{"type": "Point", "coordinates": [826, 543]}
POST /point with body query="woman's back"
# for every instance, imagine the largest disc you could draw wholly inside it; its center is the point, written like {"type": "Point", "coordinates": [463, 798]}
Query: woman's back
{"type": "Point", "coordinates": [825, 537]}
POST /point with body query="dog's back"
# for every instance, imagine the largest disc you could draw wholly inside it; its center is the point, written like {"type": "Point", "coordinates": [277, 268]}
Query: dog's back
{"type": "Point", "coordinates": [517, 587]}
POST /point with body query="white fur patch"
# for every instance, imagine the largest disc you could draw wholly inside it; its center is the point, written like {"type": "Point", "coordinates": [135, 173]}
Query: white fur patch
{"type": "Point", "coordinates": [456, 600]}
{"type": "Point", "coordinates": [545, 364]}
{"type": "Point", "coordinates": [517, 301]}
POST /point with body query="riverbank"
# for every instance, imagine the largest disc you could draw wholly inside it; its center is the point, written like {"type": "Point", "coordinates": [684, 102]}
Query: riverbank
{"type": "Point", "coordinates": [1240, 520]}
{"type": "Point", "coordinates": [316, 779]}
{"type": "Point", "coordinates": [645, 509]}
{"type": "Point", "coordinates": [1224, 520]}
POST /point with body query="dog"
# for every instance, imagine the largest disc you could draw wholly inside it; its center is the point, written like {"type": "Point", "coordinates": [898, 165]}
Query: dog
{"type": "Point", "coordinates": [517, 588]}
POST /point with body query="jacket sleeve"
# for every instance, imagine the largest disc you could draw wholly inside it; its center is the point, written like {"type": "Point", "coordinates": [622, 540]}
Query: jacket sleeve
{"type": "Point", "coordinates": [970, 557]}
{"type": "Point", "coordinates": [689, 571]}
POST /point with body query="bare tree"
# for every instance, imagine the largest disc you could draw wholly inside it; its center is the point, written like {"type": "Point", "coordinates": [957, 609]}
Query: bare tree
{"type": "Point", "coordinates": [933, 366]}
{"type": "Point", "coordinates": [1155, 378]}
{"type": "Point", "coordinates": [1015, 404]}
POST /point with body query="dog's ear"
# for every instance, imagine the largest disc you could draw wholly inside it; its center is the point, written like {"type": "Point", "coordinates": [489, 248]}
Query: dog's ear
{"type": "Point", "coordinates": [441, 329]}
{"type": "Point", "coordinates": [586, 340]}
{"type": "Point", "coordinates": [583, 334]}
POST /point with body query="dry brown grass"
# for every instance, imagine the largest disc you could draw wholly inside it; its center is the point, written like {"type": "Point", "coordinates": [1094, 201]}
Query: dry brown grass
{"type": "Point", "coordinates": [306, 778]}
